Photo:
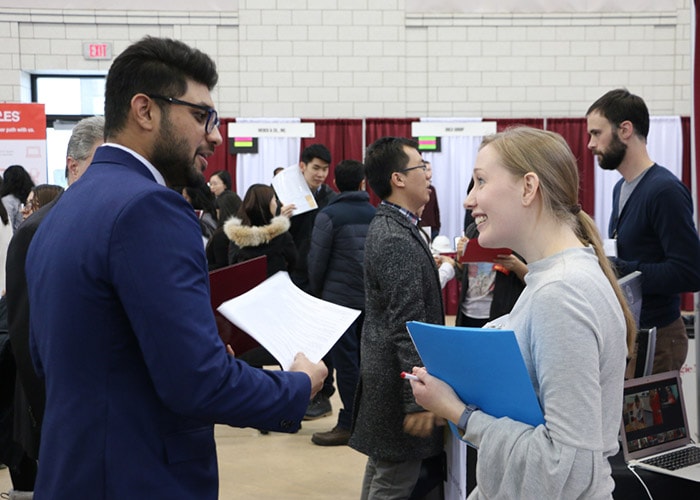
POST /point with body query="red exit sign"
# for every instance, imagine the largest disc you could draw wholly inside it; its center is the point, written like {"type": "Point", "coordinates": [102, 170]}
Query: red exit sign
{"type": "Point", "coordinates": [97, 50]}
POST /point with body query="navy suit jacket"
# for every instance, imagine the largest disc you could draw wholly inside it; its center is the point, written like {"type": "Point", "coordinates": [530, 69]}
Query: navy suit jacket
{"type": "Point", "coordinates": [123, 332]}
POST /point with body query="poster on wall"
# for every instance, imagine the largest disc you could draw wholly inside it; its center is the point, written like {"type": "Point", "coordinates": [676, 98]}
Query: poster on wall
{"type": "Point", "coordinates": [23, 138]}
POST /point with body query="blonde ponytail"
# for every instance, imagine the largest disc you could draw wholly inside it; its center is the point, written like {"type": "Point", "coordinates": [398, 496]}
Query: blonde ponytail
{"type": "Point", "coordinates": [588, 234]}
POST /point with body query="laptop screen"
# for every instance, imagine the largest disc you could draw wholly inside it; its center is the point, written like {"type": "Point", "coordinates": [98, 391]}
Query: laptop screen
{"type": "Point", "coordinates": [653, 416]}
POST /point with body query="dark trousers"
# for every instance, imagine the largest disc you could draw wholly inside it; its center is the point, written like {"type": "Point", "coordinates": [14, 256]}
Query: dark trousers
{"type": "Point", "coordinates": [23, 475]}
{"type": "Point", "coordinates": [471, 322]}
{"type": "Point", "coordinates": [328, 388]}
{"type": "Point", "coordinates": [345, 357]}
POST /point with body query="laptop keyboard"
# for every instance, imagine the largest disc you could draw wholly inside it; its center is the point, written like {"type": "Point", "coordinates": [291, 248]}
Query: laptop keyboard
{"type": "Point", "coordinates": [677, 459]}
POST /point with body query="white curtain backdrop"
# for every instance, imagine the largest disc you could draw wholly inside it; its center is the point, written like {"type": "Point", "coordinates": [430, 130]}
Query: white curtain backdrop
{"type": "Point", "coordinates": [452, 170]}
{"type": "Point", "coordinates": [273, 152]}
{"type": "Point", "coordinates": [665, 146]}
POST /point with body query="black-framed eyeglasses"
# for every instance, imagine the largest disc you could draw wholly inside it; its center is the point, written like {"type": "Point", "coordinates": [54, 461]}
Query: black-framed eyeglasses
{"type": "Point", "coordinates": [408, 169]}
{"type": "Point", "coordinates": [212, 116]}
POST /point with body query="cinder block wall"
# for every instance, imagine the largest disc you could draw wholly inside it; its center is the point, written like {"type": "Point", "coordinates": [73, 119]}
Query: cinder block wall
{"type": "Point", "coordinates": [370, 58]}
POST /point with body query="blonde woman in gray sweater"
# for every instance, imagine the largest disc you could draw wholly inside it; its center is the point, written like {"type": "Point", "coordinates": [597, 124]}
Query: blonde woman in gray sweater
{"type": "Point", "coordinates": [570, 323]}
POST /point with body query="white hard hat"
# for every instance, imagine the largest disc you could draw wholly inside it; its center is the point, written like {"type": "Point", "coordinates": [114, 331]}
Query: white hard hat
{"type": "Point", "coordinates": [441, 244]}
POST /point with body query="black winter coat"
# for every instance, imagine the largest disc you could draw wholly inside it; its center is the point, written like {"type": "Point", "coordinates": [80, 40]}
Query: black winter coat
{"type": "Point", "coordinates": [336, 258]}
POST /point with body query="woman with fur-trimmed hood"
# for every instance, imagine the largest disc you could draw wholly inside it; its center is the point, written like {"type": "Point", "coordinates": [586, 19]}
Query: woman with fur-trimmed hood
{"type": "Point", "coordinates": [256, 231]}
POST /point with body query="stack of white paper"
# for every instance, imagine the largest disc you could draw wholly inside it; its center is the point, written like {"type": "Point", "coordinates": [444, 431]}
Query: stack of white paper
{"type": "Point", "coordinates": [285, 320]}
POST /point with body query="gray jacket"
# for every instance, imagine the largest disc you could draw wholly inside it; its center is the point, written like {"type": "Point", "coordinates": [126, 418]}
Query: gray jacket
{"type": "Point", "coordinates": [401, 284]}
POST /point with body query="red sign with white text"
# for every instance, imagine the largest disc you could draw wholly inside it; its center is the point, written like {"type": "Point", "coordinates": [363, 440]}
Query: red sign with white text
{"type": "Point", "coordinates": [20, 121]}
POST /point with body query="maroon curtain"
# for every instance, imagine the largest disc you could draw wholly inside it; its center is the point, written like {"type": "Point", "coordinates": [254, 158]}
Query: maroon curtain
{"type": "Point", "coordinates": [685, 161]}
{"type": "Point", "coordinates": [342, 137]}
{"type": "Point", "coordinates": [686, 298]}
{"type": "Point", "coordinates": [222, 159]}
{"type": "Point", "coordinates": [504, 123]}
{"type": "Point", "coordinates": [575, 131]}
{"type": "Point", "coordinates": [382, 127]}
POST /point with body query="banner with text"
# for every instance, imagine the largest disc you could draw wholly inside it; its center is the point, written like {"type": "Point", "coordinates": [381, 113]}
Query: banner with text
{"type": "Point", "coordinates": [23, 138]}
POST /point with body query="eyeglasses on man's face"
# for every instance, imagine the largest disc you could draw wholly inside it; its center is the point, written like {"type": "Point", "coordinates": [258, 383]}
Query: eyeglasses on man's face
{"type": "Point", "coordinates": [408, 169]}
{"type": "Point", "coordinates": [210, 120]}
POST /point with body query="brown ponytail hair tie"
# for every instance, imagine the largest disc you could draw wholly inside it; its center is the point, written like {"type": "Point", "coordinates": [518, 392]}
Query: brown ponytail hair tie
{"type": "Point", "coordinates": [576, 209]}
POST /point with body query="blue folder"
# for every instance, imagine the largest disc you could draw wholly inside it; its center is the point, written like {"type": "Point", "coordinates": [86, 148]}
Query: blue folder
{"type": "Point", "coordinates": [484, 366]}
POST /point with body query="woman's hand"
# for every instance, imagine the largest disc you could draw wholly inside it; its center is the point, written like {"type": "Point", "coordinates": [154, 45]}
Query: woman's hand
{"type": "Point", "coordinates": [436, 396]}
{"type": "Point", "coordinates": [461, 246]}
{"type": "Point", "coordinates": [442, 259]}
{"type": "Point", "coordinates": [512, 263]}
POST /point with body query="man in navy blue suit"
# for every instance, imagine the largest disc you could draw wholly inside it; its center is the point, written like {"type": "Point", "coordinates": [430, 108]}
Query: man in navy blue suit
{"type": "Point", "coordinates": [121, 324]}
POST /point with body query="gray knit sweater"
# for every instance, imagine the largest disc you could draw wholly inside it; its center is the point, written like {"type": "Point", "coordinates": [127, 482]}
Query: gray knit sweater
{"type": "Point", "coordinates": [571, 332]}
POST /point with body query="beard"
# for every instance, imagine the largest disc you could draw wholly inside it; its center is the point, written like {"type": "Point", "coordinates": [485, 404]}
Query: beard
{"type": "Point", "coordinates": [172, 158]}
{"type": "Point", "coordinates": [613, 156]}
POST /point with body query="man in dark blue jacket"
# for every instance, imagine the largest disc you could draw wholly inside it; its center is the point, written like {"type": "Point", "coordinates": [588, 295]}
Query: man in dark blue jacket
{"type": "Point", "coordinates": [651, 221]}
{"type": "Point", "coordinates": [336, 274]}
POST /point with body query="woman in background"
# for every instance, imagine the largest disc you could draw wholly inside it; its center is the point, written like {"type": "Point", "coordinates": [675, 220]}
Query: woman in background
{"type": "Point", "coordinates": [5, 237]}
{"type": "Point", "coordinates": [220, 182]}
{"type": "Point", "coordinates": [39, 196]}
{"type": "Point", "coordinates": [14, 191]}
{"type": "Point", "coordinates": [258, 230]}
{"type": "Point", "coordinates": [217, 248]}
{"type": "Point", "coordinates": [221, 187]}
{"type": "Point", "coordinates": [571, 322]}
{"type": "Point", "coordinates": [202, 200]}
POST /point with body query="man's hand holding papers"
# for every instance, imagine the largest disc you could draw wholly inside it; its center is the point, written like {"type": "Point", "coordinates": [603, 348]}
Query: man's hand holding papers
{"type": "Point", "coordinates": [317, 372]}
{"type": "Point", "coordinates": [297, 323]}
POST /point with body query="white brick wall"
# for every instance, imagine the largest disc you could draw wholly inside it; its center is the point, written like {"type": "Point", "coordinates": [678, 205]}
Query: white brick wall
{"type": "Point", "coordinates": [325, 58]}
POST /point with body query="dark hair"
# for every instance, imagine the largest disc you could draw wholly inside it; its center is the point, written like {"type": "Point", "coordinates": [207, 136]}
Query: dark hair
{"type": "Point", "coordinates": [349, 174]}
{"type": "Point", "coordinates": [224, 176]}
{"type": "Point", "coordinates": [255, 210]}
{"type": "Point", "coordinates": [46, 193]}
{"type": "Point", "coordinates": [16, 181]}
{"type": "Point", "coordinates": [316, 151]}
{"type": "Point", "coordinates": [468, 219]}
{"type": "Point", "coordinates": [228, 203]}
{"type": "Point", "coordinates": [384, 157]}
{"type": "Point", "coordinates": [153, 66]}
{"type": "Point", "coordinates": [620, 105]}
{"type": "Point", "coordinates": [202, 197]}
{"type": "Point", "coordinates": [3, 215]}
